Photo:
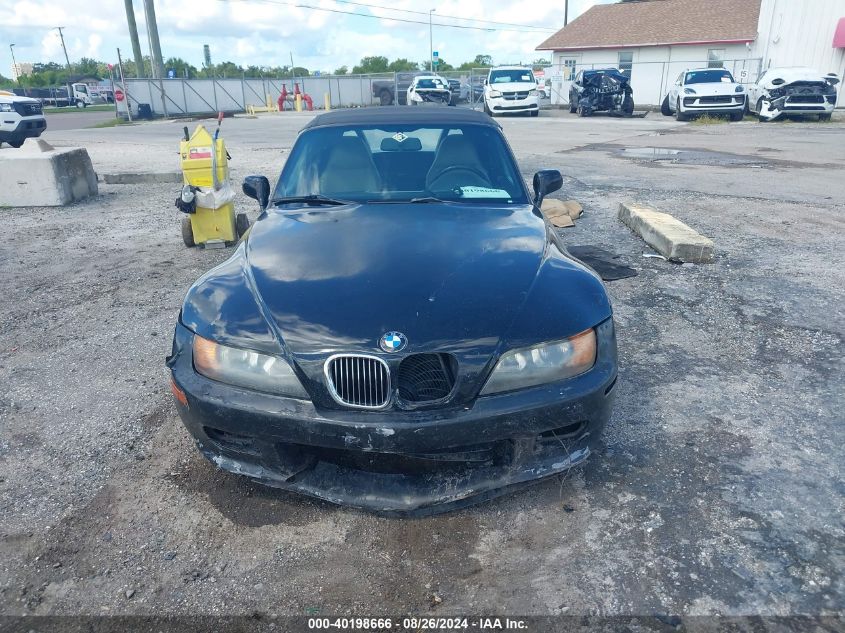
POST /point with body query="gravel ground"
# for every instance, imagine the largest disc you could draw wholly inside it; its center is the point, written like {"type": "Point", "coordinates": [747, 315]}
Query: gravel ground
{"type": "Point", "coordinates": [719, 492]}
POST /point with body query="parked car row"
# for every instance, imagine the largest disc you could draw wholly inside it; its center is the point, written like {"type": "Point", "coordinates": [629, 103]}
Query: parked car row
{"type": "Point", "coordinates": [778, 92]}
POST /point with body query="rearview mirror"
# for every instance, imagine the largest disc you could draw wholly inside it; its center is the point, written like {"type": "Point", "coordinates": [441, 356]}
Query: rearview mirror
{"type": "Point", "coordinates": [257, 188]}
{"type": "Point", "coordinates": [546, 181]}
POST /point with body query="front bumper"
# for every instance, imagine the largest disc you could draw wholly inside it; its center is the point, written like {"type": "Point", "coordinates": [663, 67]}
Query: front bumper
{"type": "Point", "coordinates": [500, 104]}
{"type": "Point", "coordinates": [772, 109]}
{"type": "Point", "coordinates": [399, 462]}
{"type": "Point", "coordinates": [17, 129]}
{"type": "Point", "coordinates": [726, 105]}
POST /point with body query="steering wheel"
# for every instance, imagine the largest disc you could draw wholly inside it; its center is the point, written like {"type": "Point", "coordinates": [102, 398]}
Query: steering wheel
{"type": "Point", "coordinates": [460, 168]}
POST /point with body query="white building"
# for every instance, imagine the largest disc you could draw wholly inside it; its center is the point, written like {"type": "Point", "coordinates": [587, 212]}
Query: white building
{"type": "Point", "coordinates": [20, 69]}
{"type": "Point", "coordinates": [655, 40]}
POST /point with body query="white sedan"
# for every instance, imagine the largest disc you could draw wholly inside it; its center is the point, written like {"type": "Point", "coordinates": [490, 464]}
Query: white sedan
{"type": "Point", "coordinates": [705, 91]}
{"type": "Point", "coordinates": [429, 89]}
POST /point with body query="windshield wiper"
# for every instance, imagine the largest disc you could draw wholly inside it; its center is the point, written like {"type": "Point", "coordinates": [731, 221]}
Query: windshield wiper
{"type": "Point", "coordinates": [314, 199]}
{"type": "Point", "coordinates": [428, 200]}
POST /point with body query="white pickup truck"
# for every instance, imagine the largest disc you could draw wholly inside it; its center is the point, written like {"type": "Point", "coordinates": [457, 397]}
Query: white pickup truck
{"type": "Point", "coordinates": [20, 118]}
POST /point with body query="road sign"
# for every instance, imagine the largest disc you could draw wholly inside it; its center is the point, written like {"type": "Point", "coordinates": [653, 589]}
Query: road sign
{"type": "Point", "coordinates": [171, 74]}
{"type": "Point", "coordinates": [118, 95]}
{"type": "Point", "coordinates": [435, 54]}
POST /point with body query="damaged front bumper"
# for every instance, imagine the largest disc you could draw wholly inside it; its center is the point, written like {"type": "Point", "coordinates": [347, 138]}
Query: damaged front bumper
{"type": "Point", "coordinates": [399, 462]}
{"type": "Point", "coordinates": [771, 109]}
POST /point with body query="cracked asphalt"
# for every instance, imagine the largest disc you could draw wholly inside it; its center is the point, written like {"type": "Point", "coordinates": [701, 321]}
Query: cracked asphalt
{"type": "Point", "coordinates": [720, 489]}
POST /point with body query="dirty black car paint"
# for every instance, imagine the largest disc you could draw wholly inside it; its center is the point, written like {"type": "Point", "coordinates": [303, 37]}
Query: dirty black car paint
{"type": "Point", "coordinates": [464, 283]}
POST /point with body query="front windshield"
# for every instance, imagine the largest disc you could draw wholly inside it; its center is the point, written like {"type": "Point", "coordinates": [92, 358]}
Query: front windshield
{"type": "Point", "coordinates": [709, 77]}
{"type": "Point", "coordinates": [511, 76]}
{"type": "Point", "coordinates": [399, 163]}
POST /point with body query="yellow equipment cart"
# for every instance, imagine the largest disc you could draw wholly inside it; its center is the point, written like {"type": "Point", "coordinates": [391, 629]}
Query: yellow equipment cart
{"type": "Point", "coordinates": [207, 198]}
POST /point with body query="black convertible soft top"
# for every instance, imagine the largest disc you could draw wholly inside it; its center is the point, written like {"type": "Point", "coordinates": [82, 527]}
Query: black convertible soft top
{"type": "Point", "coordinates": [401, 115]}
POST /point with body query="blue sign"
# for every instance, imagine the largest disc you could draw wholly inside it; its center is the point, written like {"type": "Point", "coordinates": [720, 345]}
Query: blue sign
{"type": "Point", "coordinates": [171, 74]}
{"type": "Point", "coordinates": [435, 54]}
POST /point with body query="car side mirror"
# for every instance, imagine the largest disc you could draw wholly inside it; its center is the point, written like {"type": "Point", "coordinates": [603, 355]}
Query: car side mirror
{"type": "Point", "coordinates": [485, 82]}
{"type": "Point", "coordinates": [546, 181]}
{"type": "Point", "coordinates": [257, 188]}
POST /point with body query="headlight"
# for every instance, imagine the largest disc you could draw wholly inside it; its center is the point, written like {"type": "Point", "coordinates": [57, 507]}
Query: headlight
{"type": "Point", "coordinates": [689, 91]}
{"type": "Point", "coordinates": [246, 368]}
{"type": "Point", "coordinates": [494, 94]}
{"type": "Point", "coordinates": [740, 89]}
{"type": "Point", "coordinates": [543, 364]}
{"type": "Point", "coordinates": [533, 93]}
{"type": "Point", "coordinates": [5, 107]}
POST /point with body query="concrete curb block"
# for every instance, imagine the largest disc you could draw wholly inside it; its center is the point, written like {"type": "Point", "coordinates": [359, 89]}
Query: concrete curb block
{"type": "Point", "coordinates": [42, 176]}
{"type": "Point", "coordinates": [668, 236]}
{"type": "Point", "coordinates": [142, 178]}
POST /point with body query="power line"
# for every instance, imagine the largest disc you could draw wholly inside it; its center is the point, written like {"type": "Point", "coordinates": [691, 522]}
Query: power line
{"type": "Point", "coordinates": [450, 17]}
{"type": "Point", "coordinates": [378, 17]}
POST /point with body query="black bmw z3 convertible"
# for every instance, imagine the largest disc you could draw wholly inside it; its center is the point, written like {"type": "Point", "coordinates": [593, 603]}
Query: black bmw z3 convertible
{"type": "Point", "coordinates": [400, 330]}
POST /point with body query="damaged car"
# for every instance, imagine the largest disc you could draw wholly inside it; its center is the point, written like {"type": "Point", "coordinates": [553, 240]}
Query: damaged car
{"type": "Point", "coordinates": [429, 89]}
{"type": "Point", "coordinates": [401, 330]}
{"type": "Point", "coordinates": [793, 92]}
{"type": "Point", "coordinates": [605, 90]}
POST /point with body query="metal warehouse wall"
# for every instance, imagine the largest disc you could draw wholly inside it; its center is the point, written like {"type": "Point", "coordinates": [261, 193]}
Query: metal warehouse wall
{"type": "Point", "coordinates": [800, 33]}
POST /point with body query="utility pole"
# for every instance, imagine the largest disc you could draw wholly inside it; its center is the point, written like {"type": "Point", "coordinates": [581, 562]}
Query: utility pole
{"type": "Point", "coordinates": [62, 37]}
{"type": "Point", "coordinates": [565, 12]}
{"type": "Point", "coordinates": [155, 45]}
{"type": "Point", "coordinates": [430, 43]}
{"type": "Point", "coordinates": [15, 65]}
{"type": "Point", "coordinates": [67, 59]}
{"type": "Point", "coordinates": [140, 71]}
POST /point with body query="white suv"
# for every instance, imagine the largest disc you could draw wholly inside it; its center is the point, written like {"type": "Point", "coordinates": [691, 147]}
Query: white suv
{"type": "Point", "coordinates": [705, 91]}
{"type": "Point", "coordinates": [20, 118]}
{"type": "Point", "coordinates": [511, 89]}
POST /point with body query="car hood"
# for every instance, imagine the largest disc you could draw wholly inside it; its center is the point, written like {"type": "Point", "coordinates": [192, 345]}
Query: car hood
{"type": "Point", "coordinates": [793, 75]}
{"type": "Point", "coordinates": [515, 86]}
{"type": "Point", "coordinates": [713, 89]}
{"type": "Point", "coordinates": [447, 276]}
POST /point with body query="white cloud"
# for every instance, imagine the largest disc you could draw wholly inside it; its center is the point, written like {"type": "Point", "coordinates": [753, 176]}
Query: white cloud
{"type": "Point", "coordinates": [265, 32]}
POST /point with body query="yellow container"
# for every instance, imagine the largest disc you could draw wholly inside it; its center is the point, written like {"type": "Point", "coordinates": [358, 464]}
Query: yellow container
{"type": "Point", "coordinates": [196, 157]}
{"type": "Point", "coordinates": [214, 224]}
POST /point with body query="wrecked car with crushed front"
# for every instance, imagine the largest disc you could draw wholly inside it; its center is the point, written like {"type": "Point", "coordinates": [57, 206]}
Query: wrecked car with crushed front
{"type": "Point", "coordinates": [400, 330]}
{"type": "Point", "coordinates": [793, 91]}
{"type": "Point", "coordinates": [604, 90]}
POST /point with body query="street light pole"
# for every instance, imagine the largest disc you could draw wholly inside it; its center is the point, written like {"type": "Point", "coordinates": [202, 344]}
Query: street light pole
{"type": "Point", "coordinates": [430, 43]}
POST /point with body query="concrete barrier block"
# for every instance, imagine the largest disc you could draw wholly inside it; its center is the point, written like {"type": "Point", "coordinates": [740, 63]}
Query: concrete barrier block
{"type": "Point", "coordinates": [39, 175]}
{"type": "Point", "coordinates": [665, 234]}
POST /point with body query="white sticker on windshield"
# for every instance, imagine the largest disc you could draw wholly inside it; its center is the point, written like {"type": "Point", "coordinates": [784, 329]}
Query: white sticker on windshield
{"type": "Point", "coordinates": [399, 137]}
{"type": "Point", "coordinates": [483, 192]}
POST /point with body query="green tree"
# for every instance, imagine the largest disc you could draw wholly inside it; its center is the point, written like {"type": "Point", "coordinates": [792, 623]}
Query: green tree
{"type": "Point", "coordinates": [129, 69]}
{"type": "Point", "coordinates": [341, 71]}
{"type": "Point", "coordinates": [375, 64]}
{"type": "Point", "coordinates": [480, 61]}
{"type": "Point", "coordinates": [402, 65]}
{"type": "Point", "coordinates": [87, 67]}
{"type": "Point", "coordinates": [182, 68]}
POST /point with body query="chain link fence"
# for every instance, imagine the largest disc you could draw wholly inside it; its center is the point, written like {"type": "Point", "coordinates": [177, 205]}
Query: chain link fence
{"type": "Point", "coordinates": [650, 80]}
{"type": "Point", "coordinates": [183, 97]}
{"type": "Point", "coordinates": [186, 97]}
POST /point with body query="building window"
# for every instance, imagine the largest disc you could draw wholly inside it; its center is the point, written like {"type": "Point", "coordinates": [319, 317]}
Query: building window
{"type": "Point", "coordinates": [716, 58]}
{"type": "Point", "coordinates": [626, 63]}
{"type": "Point", "coordinates": [568, 68]}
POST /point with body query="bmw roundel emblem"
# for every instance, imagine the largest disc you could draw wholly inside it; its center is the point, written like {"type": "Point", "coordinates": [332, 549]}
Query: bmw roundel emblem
{"type": "Point", "coordinates": [393, 342]}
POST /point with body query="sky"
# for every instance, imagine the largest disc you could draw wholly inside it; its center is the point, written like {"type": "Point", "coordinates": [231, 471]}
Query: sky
{"type": "Point", "coordinates": [268, 32]}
